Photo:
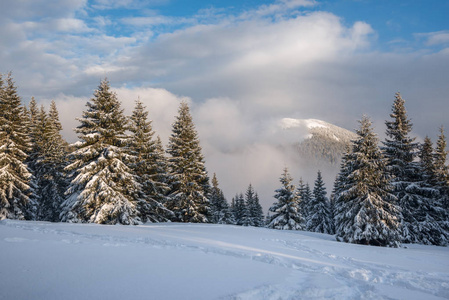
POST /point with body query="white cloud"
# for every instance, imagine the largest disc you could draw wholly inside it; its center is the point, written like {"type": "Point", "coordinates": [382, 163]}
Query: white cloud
{"type": "Point", "coordinates": [278, 8]}
{"type": "Point", "coordinates": [129, 4]}
{"type": "Point", "coordinates": [38, 9]}
{"type": "Point", "coordinates": [162, 106]}
{"type": "Point", "coordinates": [435, 38]}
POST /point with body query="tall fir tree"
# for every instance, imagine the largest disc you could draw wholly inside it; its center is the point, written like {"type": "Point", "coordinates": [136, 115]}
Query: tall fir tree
{"type": "Point", "coordinates": [430, 217]}
{"type": "Point", "coordinates": [239, 209]}
{"type": "Point", "coordinates": [426, 161]}
{"type": "Point", "coordinates": [249, 199]}
{"type": "Point", "coordinates": [161, 171]}
{"type": "Point", "coordinates": [254, 212]}
{"type": "Point", "coordinates": [34, 151]}
{"type": "Point", "coordinates": [441, 168]}
{"type": "Point", "coordinates": [220, 210]}
{"type": "Point", "coordinates": [103, 188]}
{"type": "Point", "coordinates": [257, 212]}
{"type": "Point", "coordinates": [146, 164]}
{"type": "Point", "coordinates": [15, 190]}
{"type": "Point", "coordinates": [189, 182]}
{"type": "Point", "coordinates": [399, 148]}
{"type": "Point", "coordinates": [306, 199]}
{"type": "Point", "coordinates": [319, 211]}
{"type": "Point", "coordinates": [49, 160]}
{"type": "Point", "coordinates": [300, 191]}
{"type": "Point", "coordinates": [365, 212]}
{"type": "Point", "coordinates": [418, 218]}
{"type": "Point", "coordinates": [285, 212]}
{"type": "Point", "coordinates": [342, 181]}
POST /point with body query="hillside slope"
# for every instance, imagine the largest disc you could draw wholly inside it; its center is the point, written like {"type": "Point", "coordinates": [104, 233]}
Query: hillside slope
{"type": "Point", "coordinates": [200, 261]}
{"type": "Point", "coordinates": [323, 144]}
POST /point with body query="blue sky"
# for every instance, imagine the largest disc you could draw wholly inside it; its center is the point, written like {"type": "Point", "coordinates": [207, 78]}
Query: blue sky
{"type": "Point", "coordinates": [397, 23]}
{"type": "Point", "coordinates": [243, 66]}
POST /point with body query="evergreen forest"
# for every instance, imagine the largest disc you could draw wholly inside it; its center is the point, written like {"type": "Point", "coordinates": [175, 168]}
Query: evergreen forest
{"type": "Point", "coordinates": [387, 193]}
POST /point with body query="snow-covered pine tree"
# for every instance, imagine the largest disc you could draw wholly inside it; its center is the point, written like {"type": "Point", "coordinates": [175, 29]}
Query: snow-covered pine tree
{"type": "Point", "coordinates": [365, 212]}
{"type": "Point", "coordinates": [300, 192]}
{"type": "Point", "coordinates": [249, 199]}
{"type": "Point", "coordinates": [103, 189]}
{"type": "Point", "coordinates": [319, 219]}
{"type": "Point", "coordinates": [15, 191]}
{"type": "Point", "coordinates": [220, 210]}
{"type": "Point", "coordinates": [239, 208]}
{"type": "Point", "coordinates": [49, 160]}
{"type": "Point", "coordinates": [342, 181]}
{"type": "Point", "coordinates": [254, 213]}
{"type": "Point", "coordinates": [426, 162]}
{"type": "Point", "coordinates": [257, 212]}
{"type": "Point", "coordinates": [441, 169]}
{"type": "Point", "coordinates": [55, 158]}
{"type": "Point", "coordinates": [285, 211]}
{"type": "Point", "coordinates": [399, 148]}
{"type": "Point", "coordinates": [430, 216]}
{"type": "Point", "coordinates": [232, 208]}
{"type": "Point", "coordinates": [34, 151]}
{"type": "Point", "coordinates": [306, 196]}
{"type": "Point", "coordinates": [215, 200]}
{"type": "Point", "coordinates": [162, 171]}
{"type": "Point", "coordinates": [419, 217]}
{"type": "Point", "coordinates": [189, 182]}
{"type": "Point", "coordinates": [148, 164]}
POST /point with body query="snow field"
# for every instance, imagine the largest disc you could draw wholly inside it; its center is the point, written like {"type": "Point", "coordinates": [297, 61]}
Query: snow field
{"type": "Point", "coordinates": [201, 261]}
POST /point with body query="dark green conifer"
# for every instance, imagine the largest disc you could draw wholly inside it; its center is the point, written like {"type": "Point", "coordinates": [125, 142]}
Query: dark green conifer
{"type": "Point", "coordinates": [15, 190]}
{"type": "Point", "coordinates": [189, 182]}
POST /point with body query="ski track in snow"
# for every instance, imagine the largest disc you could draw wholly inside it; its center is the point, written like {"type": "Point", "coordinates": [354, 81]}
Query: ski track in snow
{"type": "Point", "coordinates": [315, 270]}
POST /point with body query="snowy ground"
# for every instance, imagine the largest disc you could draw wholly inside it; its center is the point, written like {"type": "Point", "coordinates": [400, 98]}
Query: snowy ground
{"type": "Point", "coordinates": [41, 260]}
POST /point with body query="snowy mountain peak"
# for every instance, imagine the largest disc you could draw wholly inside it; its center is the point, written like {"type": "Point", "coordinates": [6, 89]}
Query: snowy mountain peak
{"type": "Point", "coordinates": [287, 123]}
{"type": "Point", "coordinates": [318, 142]}
{"type": "Point", "coordinates": [314, 127]}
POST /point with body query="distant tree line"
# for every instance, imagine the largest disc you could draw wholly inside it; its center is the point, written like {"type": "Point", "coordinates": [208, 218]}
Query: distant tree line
{"type": "Point", "coordinates": [119, 172]}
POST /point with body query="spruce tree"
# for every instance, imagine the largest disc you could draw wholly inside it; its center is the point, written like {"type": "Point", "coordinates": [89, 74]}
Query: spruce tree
{"type": "Point", "coordinates": [15, 190]}
{"type": "Point", "coordinates": [441, 171]}
{"type": "Point", "coordinates": [341, 182]}
{"type": "Point", "coordinates": [418, 218]}
{"type": "Point", "coordinates": [300, 190]}
{"type": "Point", "coordinates": [257, 212]}
{"type": "Point", "coordinates": [161, 172]}
{"type": "Point", "coordinates": [239, 209]}
{"type": "Point", "coordinates": [430, 226]}
{"type": "Point", "coordinates": [441, 168]}
{"type": "Point", "coordinates": [254, 212]}
{"type": "Point", "coordinates": [36, 138]}
{"type": "Point", "coordinates": [189, 182]}
{"type": "Point", "coordinates": [399, 148]}
{"type": "Point", "coordinates": [49, 160]}
{"type": "Point", "coordinates": [306, 200]}
{"type": "Point", "coordinates": [148, 164]}
{"type": "Point", "coordinates": [103, 188]}
{"type": "Point", "coordinates": [220, 210]}
{"type": "Point", "coordinates": [426, 161]}
{"type": "Point", "coordinates": [285, 211]}
{"type": "Point", "coordinates": [319, 211]}
{"type": "Point", "coordinates": [249, 204]}
{"type": "Point", "coordinates": [365, 212]}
